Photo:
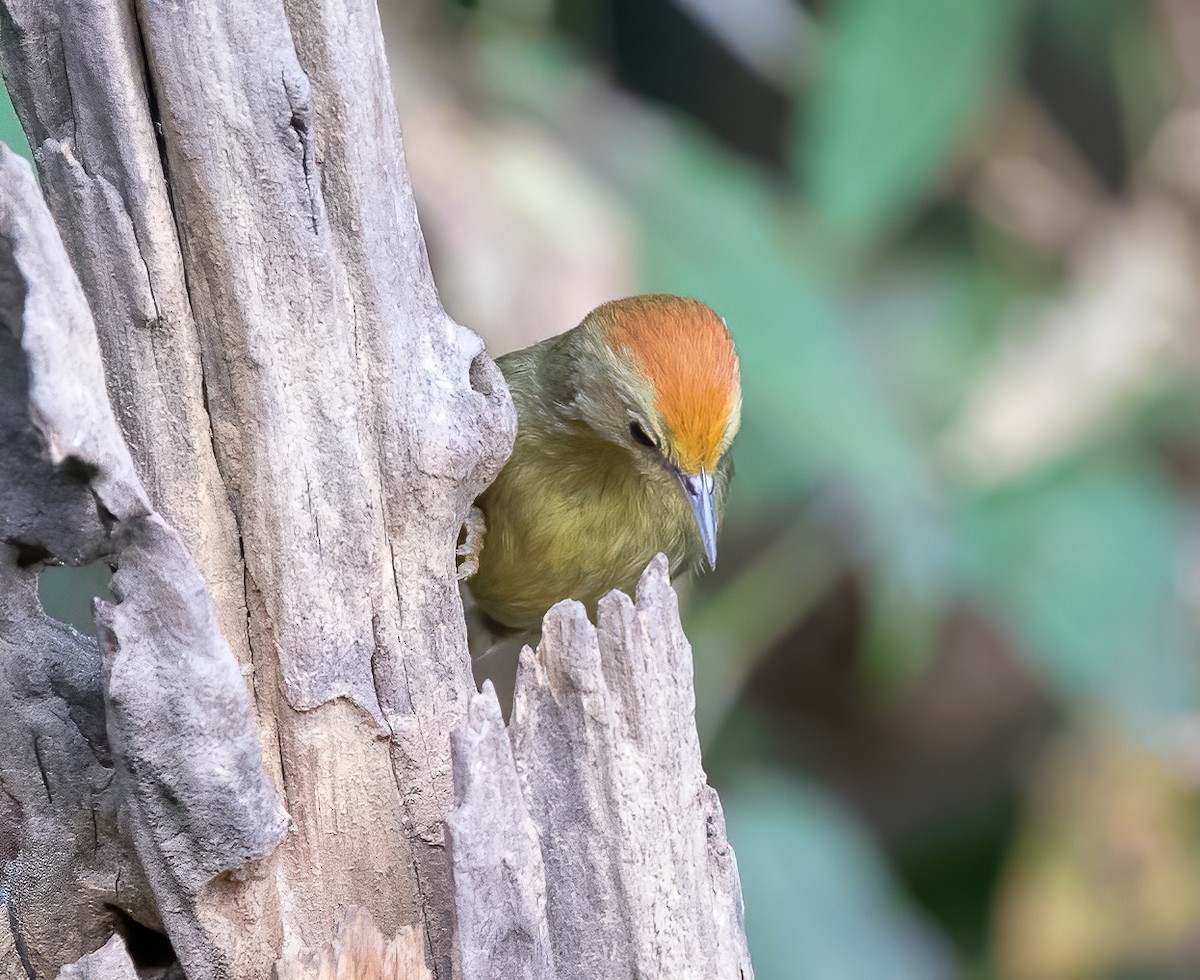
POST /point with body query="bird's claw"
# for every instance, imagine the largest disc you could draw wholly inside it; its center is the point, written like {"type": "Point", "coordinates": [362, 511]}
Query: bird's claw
{"type": "Point", "coordinates": [470, 544]}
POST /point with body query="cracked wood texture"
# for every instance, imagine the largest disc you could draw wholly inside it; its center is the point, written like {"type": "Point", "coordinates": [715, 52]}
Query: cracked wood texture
{"type": "Point", "coordinates": [229, 182]}
{"type": "Point", "coordinates": [110, 962]}
{"type": "Point", "coordinates": [254, 756]}
{"type": "Point", "coordinates": [106, 813]}
{"type": "Point", "coordinates": [591, 847]}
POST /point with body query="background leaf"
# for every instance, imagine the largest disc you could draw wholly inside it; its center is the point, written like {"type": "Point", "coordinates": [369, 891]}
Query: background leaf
{"type": "Point", "coordinates": [898, 84]}
{"type": "Point", "coordinates": [1083, 560]}
{"type": "Point", "coordinates": [845, 916]}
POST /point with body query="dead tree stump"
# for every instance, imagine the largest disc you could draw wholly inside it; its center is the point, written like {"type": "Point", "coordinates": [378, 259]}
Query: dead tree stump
{"type": "Point", "coordinates": [224, 369]}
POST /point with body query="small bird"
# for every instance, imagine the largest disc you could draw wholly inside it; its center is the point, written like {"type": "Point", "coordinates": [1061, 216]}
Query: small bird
{"type": "Point", "coordinates": [624, 425]}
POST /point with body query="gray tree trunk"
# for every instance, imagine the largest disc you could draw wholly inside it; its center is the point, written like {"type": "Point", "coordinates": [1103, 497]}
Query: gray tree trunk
{"type": "Point", "coordinates": [254, 757]}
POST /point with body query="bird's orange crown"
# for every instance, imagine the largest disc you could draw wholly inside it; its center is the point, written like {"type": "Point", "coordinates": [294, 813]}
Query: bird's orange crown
{"type": "Point", "coordinates": [686, 352]}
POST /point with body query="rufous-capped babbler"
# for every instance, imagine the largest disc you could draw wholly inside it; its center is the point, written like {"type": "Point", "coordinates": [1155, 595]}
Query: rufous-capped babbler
{"type": "Point", "coordinates": [623, 431]}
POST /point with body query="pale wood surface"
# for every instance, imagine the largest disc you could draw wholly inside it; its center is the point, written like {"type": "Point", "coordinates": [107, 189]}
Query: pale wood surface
{"type": "Point", "coordinates": [110, 962]}
{"type": "Point", "coordinates": [260, 739]}
{"type": "Point", "coordinates": [632, 865]}
{"type": "Point", "coordinates": [132, 763]}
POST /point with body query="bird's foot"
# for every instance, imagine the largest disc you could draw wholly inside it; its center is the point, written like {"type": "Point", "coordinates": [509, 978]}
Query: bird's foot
{"type": "Point", "coordinates": [470, 544]}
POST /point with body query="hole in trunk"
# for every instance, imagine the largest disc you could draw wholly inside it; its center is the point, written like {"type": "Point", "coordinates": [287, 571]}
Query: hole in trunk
{"type": "Point", "coordinates": [67, 591]}
{"type": "Point", "coordinates": [151, 951]}
{"type": "Point", "coordinates": [480, 374]}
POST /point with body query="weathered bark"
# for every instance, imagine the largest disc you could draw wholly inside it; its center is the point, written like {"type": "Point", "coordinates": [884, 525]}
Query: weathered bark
{"type": "Point", "coordinates": [110, 809]}
{"type": "Point", "coordinates": [360, 951]}
{"type": "Point", "coordinates": [299, 403]}
{"type": "Point", "coordinates": [635, 874]}
{"type": "Point", "coordinates": [306, 430]}
{"type": "Point", "coordinates": [499, 876]}
{"type": "Point", "coordinates": [110, 962]}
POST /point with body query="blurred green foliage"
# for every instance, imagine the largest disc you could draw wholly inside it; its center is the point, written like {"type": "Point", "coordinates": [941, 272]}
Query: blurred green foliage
{"type": "Point", "coordinates": [875, 298]}
{"type": "Point", "coordinates": [67, 593]}
{"type": "Point", "coordinates": [898, 84]}
{"type": "Point", "coordinates": [1082, 560]}
{"type": "Point", "coordinates": [838, 913]}
{"type": "Point", "coordinates": [11, 133]}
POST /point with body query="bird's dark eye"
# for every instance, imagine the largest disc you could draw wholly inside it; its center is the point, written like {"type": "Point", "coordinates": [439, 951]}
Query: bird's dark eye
{"type": "Point", "coordinates": [638, 434]}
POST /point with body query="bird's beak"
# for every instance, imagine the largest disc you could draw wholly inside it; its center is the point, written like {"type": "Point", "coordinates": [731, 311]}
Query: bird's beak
{"type": "Point", "coordinates": [699, 490]}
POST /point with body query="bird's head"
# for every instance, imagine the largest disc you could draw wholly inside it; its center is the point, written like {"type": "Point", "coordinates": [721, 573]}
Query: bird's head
{"type": "Point", "coordinates": [662, 382]}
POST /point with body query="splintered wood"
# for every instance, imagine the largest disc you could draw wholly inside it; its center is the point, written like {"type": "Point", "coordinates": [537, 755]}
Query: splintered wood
{"type": "Point", "coordinates": [225, 371]}
{"type": "Point", "coordinates": [360, 951]}
{"type": "Point", "coordinates": [592, 847]}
